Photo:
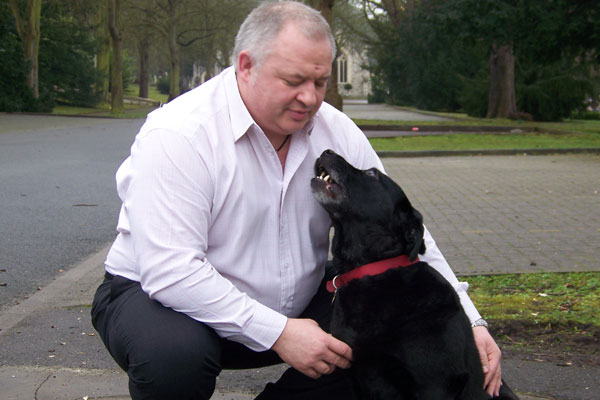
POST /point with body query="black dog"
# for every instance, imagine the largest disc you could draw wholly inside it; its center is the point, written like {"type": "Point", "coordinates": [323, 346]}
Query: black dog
{"type": "Point", "coordinates": [410, 336]}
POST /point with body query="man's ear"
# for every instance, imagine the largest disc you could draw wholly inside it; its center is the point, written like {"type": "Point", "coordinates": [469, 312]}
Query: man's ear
{"type": "Point", "coordinates": [245, 66]}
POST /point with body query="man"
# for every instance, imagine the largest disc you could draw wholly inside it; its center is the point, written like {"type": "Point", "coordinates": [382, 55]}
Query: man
{"type": "Point", "coordinates": [221, 248]}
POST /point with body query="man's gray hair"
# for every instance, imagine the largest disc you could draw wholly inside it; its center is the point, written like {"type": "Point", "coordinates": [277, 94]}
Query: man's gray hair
{"type": "Point", "coordinates": [264, 23]}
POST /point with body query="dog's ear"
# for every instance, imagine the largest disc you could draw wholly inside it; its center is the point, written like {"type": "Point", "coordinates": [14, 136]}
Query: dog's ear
{"type": "Point", "coordinates": [414, 233]}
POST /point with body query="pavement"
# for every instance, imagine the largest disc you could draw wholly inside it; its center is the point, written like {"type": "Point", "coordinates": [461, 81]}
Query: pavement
{"type": "Point", "coordinates": [489, 214]}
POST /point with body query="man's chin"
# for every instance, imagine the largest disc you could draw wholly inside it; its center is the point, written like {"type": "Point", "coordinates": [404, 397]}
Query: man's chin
{"type": "Point", "coordinates": [293, 125]}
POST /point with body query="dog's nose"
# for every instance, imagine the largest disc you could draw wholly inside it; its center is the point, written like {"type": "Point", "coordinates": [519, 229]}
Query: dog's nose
{"type": "Point", "coordinates": [329, 151]}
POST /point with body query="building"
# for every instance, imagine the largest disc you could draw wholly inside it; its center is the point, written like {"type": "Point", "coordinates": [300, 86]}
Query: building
{"type": "Point", "coordinates": [354, 80]}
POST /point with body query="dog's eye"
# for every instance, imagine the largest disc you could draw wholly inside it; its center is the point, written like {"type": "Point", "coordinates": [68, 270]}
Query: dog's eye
{"type": "Point", "coordinates": [372, 172]}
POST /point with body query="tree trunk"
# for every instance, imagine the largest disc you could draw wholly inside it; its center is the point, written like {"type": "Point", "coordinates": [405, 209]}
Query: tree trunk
{"type": "Point", "coordinates": [332, 96]}
{"type": "Point", "coordinates": [116, 84]}
{"type": "Point", "coordinates": [103, 56]}
{"type": "Point", "coordinates": [143, 77]}
{"type": "Point", "coordinates": [30, 37]}
{"type": "Point", "coordinates": [174, 74]}
{"type": "Point", "coordinates": [502, 100]}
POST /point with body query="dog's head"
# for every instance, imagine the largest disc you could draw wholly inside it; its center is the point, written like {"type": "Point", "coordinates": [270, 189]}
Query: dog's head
{"type": "Point", "coordinates": [372, 216]}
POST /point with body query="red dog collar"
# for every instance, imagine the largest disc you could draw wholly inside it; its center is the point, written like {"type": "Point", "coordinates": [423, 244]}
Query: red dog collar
{"type": "Point", "coordinates": [375, 268]}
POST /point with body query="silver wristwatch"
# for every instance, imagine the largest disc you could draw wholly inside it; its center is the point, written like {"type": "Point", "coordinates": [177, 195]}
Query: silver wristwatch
{"type": "Point", "coordinates": [479, 322]}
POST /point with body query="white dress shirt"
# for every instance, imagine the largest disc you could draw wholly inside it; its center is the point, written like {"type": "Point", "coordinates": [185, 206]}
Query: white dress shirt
{"type": "Point", "coordinates": [212, 226]}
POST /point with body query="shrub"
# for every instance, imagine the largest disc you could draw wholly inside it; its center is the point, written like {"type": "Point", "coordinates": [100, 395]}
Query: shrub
{"type": "Point", "coordinates": [162, 85]}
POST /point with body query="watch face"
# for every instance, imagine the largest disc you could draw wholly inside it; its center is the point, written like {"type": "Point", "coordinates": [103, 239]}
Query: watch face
{"type": "Point", "coordinates": [479, 322]}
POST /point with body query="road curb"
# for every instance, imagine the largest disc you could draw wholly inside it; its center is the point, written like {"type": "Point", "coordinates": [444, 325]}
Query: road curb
{"type": "Point", "coordinates": [47, 296]}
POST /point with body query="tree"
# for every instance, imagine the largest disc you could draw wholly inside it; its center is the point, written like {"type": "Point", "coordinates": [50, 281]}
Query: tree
{"type": "Point", "coordinates": [494, 21]}
{"type": "Point", "coordinates": [143, 47]}
{"type": "Point", "coordinates": [67, 70]}
{"type": "Point", "coordinates": [103, 53]}
{"type": "Point", "coordinates": [141, 39]}
{"type": "Point", "coordinates": [164, 17]}
{"type": "Point", "coordinates": [15, 95]}
{"type": "Point", "coordinates": [30, 37]}
{"type": "Point", "coordinates": [547, 40]}
{"type": "Point", "coordinates": [332, 95]}
{"type": "Point", "coordinates": [494, 58]}
{"type": "Point", "coordinates": [65, 63]}
{"type": "Point", "coordinates": [502, 101]}
{"type": "Point", "coordinates": [204, 28]}
{"type": "Point", "coordinates": [411, 62]}
{"type": "Point", "coordinates": [116, 89]}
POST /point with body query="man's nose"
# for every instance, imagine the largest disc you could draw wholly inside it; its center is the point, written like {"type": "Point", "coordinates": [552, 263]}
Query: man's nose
{"type": "Point", "coordinates": [308, 94]}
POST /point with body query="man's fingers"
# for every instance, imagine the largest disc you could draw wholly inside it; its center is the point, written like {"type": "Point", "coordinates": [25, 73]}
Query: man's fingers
{"type": "Point", "coordinates": [336, 360]}
{"type": "Point", "coordinates": [324, 368]}
{"type": "Point", "coordinates": [321, 368]}
{"type": "Point", "coordinates": [341, 349]}
{"type": "Point", "coordinates": [310, 350]}
{"type": "Point", "coordinates": [495, 382]}
{"type": "Point", "coordinates": [484, 363]}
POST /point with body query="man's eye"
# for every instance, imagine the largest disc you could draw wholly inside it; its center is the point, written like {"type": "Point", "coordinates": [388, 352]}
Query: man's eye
{"type": "Point", "coordinates": [320, 84]}
{"type": "Point", "coordinates": [291, 83]}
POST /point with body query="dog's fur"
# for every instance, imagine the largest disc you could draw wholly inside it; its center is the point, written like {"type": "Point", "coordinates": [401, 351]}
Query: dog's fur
{"type": "Point", "coordinates": [409, 334]}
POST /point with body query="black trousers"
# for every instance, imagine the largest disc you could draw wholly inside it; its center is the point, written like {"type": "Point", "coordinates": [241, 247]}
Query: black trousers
{"type": "Point", "coordinates": [168, 355]}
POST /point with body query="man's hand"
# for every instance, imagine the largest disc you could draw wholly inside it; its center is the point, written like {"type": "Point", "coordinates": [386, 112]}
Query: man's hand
{"type": "Point", "coordinates": [490, 356]}
{"type": "Point", "coordinates": [310, 350]}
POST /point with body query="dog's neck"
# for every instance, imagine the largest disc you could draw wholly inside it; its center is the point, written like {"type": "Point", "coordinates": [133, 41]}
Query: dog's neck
{"type": "Point", "coordinates": [348, 256]}
{"type": "Point", "coordinates": [372, 269]}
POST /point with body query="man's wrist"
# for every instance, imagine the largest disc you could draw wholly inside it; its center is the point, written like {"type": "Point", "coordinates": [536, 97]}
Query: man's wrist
{"type": "Point", "coordinates": [479, 322]}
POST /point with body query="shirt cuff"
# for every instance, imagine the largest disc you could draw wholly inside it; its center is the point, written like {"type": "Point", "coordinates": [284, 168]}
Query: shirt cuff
{"type": "Point", "coordinates": [263, 330]}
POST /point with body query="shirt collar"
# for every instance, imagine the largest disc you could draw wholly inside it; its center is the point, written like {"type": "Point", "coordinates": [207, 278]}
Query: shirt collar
{"type": "Point", "coordinates": [240, 117]}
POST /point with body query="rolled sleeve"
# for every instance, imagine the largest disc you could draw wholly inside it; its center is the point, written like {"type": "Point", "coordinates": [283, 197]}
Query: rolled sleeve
{"type": "Point", "coordinates": [434, 257]}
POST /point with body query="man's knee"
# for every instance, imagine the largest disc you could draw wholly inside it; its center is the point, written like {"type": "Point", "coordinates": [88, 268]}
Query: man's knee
{"type": "Point", "coordinates": [165, 353]}
{"type": "Point", "coordinates": [173, 370]}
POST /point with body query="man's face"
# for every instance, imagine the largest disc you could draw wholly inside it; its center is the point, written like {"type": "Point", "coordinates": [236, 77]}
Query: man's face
{"type": "Point", "coordinates": [285, 92]}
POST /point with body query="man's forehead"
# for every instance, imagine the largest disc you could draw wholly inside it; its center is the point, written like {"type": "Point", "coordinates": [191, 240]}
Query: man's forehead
{"type": "Point", "coordinates": [319, 75]}
{"type": "Point", "coordinates": [293, 39]}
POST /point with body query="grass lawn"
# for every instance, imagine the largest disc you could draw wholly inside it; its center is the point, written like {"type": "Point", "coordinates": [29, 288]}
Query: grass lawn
{"type": "Point", "coordinates": [531, 140]}
{"type": "Point", "coordinates": [557, 298]}
{"type": "Point", "coordinates": [134, 89]}
{"type": "Point", "coordinates": [543, 316]}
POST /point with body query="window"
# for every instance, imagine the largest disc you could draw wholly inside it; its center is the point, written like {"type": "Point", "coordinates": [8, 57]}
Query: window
{"type": "Point", "coordinates": [342, 69]}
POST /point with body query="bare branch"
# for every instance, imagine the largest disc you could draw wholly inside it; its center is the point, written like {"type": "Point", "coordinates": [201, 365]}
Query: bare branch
{"type": "Point", "coordinates": [18, 20]}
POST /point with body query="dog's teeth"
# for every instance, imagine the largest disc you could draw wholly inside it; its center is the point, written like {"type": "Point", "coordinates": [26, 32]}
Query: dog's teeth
{"type": "Point", "coordinates": [327, 178]}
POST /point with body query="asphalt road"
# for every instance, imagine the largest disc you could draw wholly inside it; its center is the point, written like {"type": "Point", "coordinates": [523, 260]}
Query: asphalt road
{"type": "Point", "coordinates": [58, 198]}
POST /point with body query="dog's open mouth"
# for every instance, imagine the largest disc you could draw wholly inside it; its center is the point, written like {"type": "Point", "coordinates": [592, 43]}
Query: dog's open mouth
{"type": "Point", "coordinates": [324, 184]}
{"type": "Point", "coordinates": [325, 177]}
